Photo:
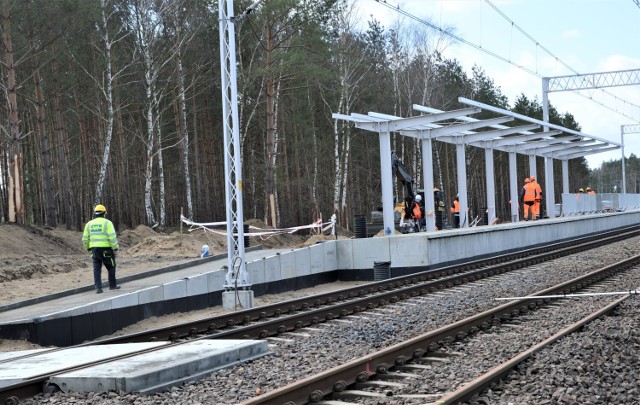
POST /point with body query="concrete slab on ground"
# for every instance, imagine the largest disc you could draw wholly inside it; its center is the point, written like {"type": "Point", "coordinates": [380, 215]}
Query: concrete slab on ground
{"type": "Point", "coordinates": [162, 369]}
{"type": "Point", "coordinates": [51, 361]}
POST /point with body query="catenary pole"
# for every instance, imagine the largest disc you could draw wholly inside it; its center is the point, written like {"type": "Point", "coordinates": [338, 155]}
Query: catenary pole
{"type": "Point", "coordinates": [236, 277]}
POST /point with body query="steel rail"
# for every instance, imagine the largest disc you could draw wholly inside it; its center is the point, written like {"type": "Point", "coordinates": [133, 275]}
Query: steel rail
{"type": "Point", "coordinates": [494, 375]}
{"type": "Point", "coordinates": [316, 387]}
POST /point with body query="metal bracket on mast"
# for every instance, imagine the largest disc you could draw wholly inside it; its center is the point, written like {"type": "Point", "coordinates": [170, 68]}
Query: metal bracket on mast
{"type": "Point", "coordinates": [237, 277]}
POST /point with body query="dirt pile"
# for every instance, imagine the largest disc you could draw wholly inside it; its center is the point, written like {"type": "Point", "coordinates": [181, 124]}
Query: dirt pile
{"type": "Point", "coordinates": [144, 241]}
{"type": "Point", "coordinates": [16, 240]}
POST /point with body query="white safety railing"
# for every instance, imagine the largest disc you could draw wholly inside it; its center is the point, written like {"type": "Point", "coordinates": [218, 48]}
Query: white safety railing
{"type": "Point", "coordinates": [580, 204]}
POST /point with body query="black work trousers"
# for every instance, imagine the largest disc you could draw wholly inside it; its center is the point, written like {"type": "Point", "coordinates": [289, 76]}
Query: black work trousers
{"type": "Point", "coordinates": [107, 257]}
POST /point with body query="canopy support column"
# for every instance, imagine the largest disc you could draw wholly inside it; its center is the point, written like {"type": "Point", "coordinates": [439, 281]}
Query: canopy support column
{"type": "Point", "coordinates": [550, 189]}
{"type": "Point", "coordinates": [513, 186]}
{"type": "Point", "coordinates": [386, 177]}
{"type": "Point", "coordinates": [565, 176]}
{"type": "Point", "coordinates": [427, 174]}
{"type": "Point", "coordinates": [491, 185]}
{"type": "Point", "coordinates": [532, 166]}
{"type": "Point", "coordinates": [461, 165]}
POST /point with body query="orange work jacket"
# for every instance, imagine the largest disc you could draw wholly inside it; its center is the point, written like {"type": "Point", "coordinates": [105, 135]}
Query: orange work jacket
{"type": "Point", "coordinates": [538, 190]}
{"type": "Point", "coordinates": [456, 207]}
{"type": "Point", "coordinates": [529, 192]}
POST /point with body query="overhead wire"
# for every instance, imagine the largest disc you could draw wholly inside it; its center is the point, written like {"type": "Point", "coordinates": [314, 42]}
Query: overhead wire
{"type": "Point", "coordinates": [548, 52]}
{"type": "Point", "coordinates": [507, 60]}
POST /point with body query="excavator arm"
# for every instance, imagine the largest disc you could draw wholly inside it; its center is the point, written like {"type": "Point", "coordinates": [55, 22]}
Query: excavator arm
{"type": "Point", "coordinates": [403, 176]}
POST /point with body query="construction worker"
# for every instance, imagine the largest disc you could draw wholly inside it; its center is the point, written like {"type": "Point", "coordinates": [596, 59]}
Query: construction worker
{"type": "Point", "coordinates": [99, 238]}
{"type": "Point", "coordinates": [418, 212]}
{"type": "Point", "coordinates": [528, 198]}
{"type": "Point", "coordinates": [439, 207]}
{"type": "Point", "coordinates": [538, 198]}
{"type": "Point", "coordinates": [455, 210]}
{"type": "Point", "coordinates": [590, 191]}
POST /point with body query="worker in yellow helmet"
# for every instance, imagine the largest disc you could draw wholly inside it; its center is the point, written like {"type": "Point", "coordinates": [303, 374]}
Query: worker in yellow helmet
{"type": "Point", "coordinates": [100, 239]}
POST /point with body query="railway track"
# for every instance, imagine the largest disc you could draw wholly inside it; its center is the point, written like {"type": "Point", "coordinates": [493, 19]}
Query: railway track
{"type": "Point", "coordinates": [377, 375]}
{"type": "Point", "coordinates": [273, 320]}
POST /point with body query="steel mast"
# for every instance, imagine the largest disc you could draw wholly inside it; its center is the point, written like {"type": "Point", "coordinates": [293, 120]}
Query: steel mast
{"type": "Point", "coordinates": [237, 277]}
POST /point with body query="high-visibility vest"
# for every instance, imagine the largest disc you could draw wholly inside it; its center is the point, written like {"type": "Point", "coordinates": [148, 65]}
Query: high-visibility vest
{"type": "Point", "coordinates": [538, 190]}
{"type": "Point", "coordinates": [529, 192]}
{"type": "Point", "coordinates": [417, 212]}
{"type": "Point", "coordinates": [99, 232]}
{"type": "Point", "coordinates": [456, 207]}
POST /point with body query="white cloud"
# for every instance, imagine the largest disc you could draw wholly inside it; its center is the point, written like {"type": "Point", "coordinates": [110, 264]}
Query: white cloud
{"type": "Point", "coordinates": [571, 34]}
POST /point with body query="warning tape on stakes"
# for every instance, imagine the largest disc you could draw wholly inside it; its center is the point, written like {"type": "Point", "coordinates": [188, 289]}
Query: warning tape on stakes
{"type": "Point", "coordinates": [262, 233]}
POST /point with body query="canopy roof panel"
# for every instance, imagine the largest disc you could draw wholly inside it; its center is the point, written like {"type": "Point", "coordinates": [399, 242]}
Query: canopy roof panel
{"type": "Point", "coordinates": [457, 127]}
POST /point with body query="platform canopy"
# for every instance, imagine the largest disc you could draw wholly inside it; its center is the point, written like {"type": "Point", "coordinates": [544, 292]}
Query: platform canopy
{"type": "Point", "coordinates": [535, 138]}
{"type": "Point", "coordinates": [456, 127]}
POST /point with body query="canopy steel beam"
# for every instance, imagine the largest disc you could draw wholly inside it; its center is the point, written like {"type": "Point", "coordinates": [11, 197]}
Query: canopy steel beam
{"type": "Point", "coordinates": [487, 135]}
{"type": "Point", "coordinates": [459, 128]}
{"type": "Point", "coordinates": [398, 124]}
{"type": "Point", "coordinates": [564, 146]}
{"type": "Point", "coordinates": [532, 120]}
{"type": "Point", "coordinates": [584, 153]}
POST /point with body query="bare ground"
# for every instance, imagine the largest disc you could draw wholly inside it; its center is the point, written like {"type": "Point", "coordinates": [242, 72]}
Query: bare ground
{"type": "Point", "coordinates": [41, 261]}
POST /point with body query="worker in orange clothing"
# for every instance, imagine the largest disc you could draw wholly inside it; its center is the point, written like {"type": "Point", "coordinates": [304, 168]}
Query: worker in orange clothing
{"type": "Point", "coordinates": [590, 191]}
{"type": "Point", "coordinates": [538, 198]}
{"type": "Point", "coordinates": [528, 198]}
{"type": "Point", "coordinates": [455, 210]}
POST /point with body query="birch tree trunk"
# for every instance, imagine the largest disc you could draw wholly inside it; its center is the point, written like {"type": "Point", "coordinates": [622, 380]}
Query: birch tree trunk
{"type": "Point", "coordinates": [184, 132]}
{"type": "Point", "coordinates": [276, 141]}
{"type": "Point", "coordinates": [148, 26]}
{"type": "Point", "coordinates": [15, 205]}
{"type": "Point", "coordinates": [351, 73]}
{"type": "Point", "coordinates": [150, 142]}
{"type": "Point", "coordinates": [161, 182]}
{"type": "Point", "coordinates": [108, 92]}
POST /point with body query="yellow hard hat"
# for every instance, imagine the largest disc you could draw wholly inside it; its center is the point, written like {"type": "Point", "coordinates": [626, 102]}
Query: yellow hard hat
{"type": "Point", "coordinates": [581, 190]}
{"type": "Point", "coordinates": [100, 208]}
{"type": "Point", "coordinates": [588, 188]}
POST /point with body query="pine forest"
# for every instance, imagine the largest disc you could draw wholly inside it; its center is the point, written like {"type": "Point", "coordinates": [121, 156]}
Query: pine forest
{"type": "Point", "coordinates": [118, 102]}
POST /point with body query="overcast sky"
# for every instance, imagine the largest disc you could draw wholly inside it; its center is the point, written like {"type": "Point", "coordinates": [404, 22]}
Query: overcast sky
{"type": "Point", "coordinates": [589, 36]}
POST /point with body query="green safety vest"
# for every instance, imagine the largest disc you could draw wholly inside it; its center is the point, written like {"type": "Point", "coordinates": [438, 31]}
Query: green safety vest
{"type": "Point", "coordinates": [99, 232]}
